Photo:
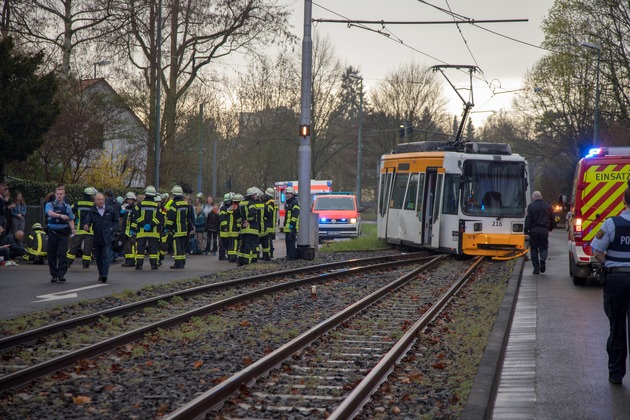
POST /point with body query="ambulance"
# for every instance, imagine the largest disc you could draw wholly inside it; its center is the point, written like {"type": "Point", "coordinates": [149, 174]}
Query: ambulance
{"type": "Point", "coordinates": [600, 181]}
{"type": "Point", "coordinates": [317, 187]}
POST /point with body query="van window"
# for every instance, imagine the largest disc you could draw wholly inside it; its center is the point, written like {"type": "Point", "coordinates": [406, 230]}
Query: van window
{"type": "Point", "coordinates": [336, 203]}
{"type": "Point", "coordinates": [398, 193]}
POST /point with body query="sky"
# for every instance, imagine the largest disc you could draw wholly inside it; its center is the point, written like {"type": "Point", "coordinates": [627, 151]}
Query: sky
{"type": "Point", "coordinates": [503, 62]}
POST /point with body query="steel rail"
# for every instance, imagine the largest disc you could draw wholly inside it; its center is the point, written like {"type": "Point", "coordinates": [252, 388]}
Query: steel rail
{"type": "Point", "coordinates": [352, 404]}
{"type": "Point", "coordinates": [24, 376]}
{"type": "Point", "coordinates": [47, 330]}
{"type": "Point", "coordinates": [218, 394]}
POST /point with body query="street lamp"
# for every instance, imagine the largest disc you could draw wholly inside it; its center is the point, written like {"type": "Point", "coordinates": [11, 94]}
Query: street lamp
{"type": "Point", "coordinates": [355, 76]}
{"type": "Point", "coordinates": [100, 63]}
{"type": "Point", "coordinates": [592, 46]}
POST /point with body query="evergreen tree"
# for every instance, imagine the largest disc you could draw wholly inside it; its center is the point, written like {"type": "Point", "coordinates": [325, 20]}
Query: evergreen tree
{"type": "Point", "coordinates": [27, 105]}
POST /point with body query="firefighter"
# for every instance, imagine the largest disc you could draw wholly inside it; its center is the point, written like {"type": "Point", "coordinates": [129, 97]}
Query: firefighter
{"type": "Point", "coordinates": [263, 216]}
{"type": "Point", "coordinates": [179, 222]}
{"type": "Point", "coordinates": [82, 239]}
{"type": "Point", "coordinates": [250, 224]}
{"type": "Point", "coordinates": [291, 222]}
{"type": "Point", "coordinates": [234, 228]}
{"type": "Point", "coordinates": [165, 244]}
{"type": "Point", "coordinates": [36, 245]}
{"type": "Point", "coordinates": [126, 215]}
{"type": "Point", "coordinates": [223, 226]}
{"type": "Point", "coordinates": [270, 219]}
{"type": "Point", "coordinates": [146, 224]}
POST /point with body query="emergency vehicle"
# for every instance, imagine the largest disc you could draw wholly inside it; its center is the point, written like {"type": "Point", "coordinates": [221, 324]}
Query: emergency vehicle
{"type": "Point", "coordinates": [600, 181]}
{"type": "Point", "coordinates": [317, 187]}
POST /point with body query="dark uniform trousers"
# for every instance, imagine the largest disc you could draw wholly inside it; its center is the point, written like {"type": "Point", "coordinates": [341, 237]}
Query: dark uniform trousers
{"type": "Point", "coordinates": [153, 245]}
{"type": "Point", "coordinates": [616, 298]}
{"type": "Point", "coordinates": [57, 249]}
{"type": "Point", "coordinates": [539, 245]}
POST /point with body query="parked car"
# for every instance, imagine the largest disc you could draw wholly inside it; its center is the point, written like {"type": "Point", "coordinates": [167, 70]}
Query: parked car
{"type": "Point", "coordinates": [339, 215]}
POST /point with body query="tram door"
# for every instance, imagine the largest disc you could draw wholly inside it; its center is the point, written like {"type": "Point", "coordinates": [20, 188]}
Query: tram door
{"type": "Point", "coordinates": [431, 222]}
{"type": "Point", "coordinates": [386, 188]}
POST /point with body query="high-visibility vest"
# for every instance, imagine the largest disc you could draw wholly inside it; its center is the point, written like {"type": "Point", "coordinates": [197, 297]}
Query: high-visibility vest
{"type": "Point", "coordinates": [178, 218]}
{"type": "Point", "coordinates": [270, 216]}
{"type": "Point", "coordinates": [249, 213]}
{"type": "Point", "coordinates": [292, 215]}
{"type": "Point", "coordinates": [80, 210]}
{"type": "Point", "coordinates": [147, 212]}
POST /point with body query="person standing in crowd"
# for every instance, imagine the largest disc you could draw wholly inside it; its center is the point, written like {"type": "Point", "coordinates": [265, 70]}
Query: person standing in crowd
{"type": "Point", "coordinates": [291, 222]}
{"type": "Point", "coordinates": [82, 239]}
{"type": "Point", "coordinates": [224, 240]}
{"type": "Point", "coordinates": [60, 222]}
{"type": "Point", "coordinates": [36, 245]}
{"type": "Point", "coordinates": [539, 221]}
{"type": "Point", "coordinates": [200, 229]}
{"type": "Point", "coordinates": [212, 230]}
{"type": "Point", "coordinates": [208, 206]}
{"type": "Point", "coordinates": [263, 236]}
{"type": "Point", "coordinates": [102, 219]}
{"type": "Point", "coordinates": [250, 224]}
{"type": "Point", "coordinates": [145, 223]}
{"type": "Point", "coordinates": [611, 247]}
{"type": "Point", "coordinates": [270, 218]}
{"type": "Point", "coordinates": [129, 245]}
{"type": "Point", "coordinates": [179, 222]}
{"type": "Point", "coordinates": [18, 214]}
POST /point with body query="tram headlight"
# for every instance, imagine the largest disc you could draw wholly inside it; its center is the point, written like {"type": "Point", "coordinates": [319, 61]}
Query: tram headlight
{"type": "Point", "coordinates": [517, 227]}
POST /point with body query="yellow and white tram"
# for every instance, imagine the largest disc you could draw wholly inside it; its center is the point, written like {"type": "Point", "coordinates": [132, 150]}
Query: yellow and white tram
{"type": "Point", "coordinates": [469, 199]}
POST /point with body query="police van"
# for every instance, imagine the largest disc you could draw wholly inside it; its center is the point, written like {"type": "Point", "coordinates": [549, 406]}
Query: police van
{"type": "Point", "coordinates": [598, 186]}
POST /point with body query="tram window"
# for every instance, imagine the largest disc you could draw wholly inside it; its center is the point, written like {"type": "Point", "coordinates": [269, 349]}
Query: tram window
{"type": "Point", "coordinates": [451, 194]}
{"type": "Point", "coordinates": [493, 188]}
{"type": "Point", "coordinates": [398, 192]}
{"type": "Point", "coordinates": [410, 200]}
{"type": "Point", "coordinates": [438, 193]}
{"type": "Point", "coordinates": [385, 182]}
{"type": "Point", "coordinates": [420, 196]}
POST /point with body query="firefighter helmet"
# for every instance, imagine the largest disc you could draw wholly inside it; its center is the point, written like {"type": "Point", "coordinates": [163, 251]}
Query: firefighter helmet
{"type": "Point", "coordinates": [177, 190]}
{"type": "Point", "coordinates": [130, 195]}
{"type": "Point", "coordinates": [150, 190]}
{"type": "Point", "coordinates": [237, 197]}
{"type": "Point", "coordinates": [289, 190]}
{"type": "Point", "coordinates": [270, 192]}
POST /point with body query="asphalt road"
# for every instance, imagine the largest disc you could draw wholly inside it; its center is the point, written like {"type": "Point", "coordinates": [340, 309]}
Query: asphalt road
{"type": "Point", "coordinates": [27, 288]}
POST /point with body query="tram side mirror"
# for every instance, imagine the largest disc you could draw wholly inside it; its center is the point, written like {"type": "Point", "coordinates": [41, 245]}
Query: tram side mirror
{"type": "Point", "coordinates": [361, 210]}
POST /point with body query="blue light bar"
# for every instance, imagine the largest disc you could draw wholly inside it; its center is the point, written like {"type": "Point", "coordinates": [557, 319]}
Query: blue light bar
{"type": "Point", "coordinates": [594, 152]}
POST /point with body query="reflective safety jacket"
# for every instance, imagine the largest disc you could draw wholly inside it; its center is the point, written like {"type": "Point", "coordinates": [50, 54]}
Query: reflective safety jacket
{"type": "Point", "coordinates": [80, 210]}
{"type": "Point", "coordinates": [233, 221]}
{"type": "Point", "coordinates": [292, 215]}
{"type": "Point", "coordinates": [223, 219]}
{"type": "Point", "coordinates": [37, 243]}
{"type": "Point", "coordinates": [147, 212]}
{"type": "Point", "coordinates": [262, 215]}
{"type": "Point", "coordinates": [179, 218]}
{"type": "Point", "coordinates": [250, 220]}
{"type": "Point", "coordinates": [270, 216]}
{"type": "Point", "coordinates": [126, 216]}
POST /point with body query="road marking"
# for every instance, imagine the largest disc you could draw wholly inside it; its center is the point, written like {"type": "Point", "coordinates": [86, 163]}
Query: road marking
{"type": "Point", "coordinates": [65, 294]}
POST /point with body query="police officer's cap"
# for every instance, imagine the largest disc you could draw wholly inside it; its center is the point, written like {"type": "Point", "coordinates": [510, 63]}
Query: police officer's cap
{"type": "Point", "coordinates": [150, 190]}
{"type": "Point", "coordinates": [237, 197]}
{"type": "Point", "coordinates": [36, 226]}
{"type": "Point", "coordinates": [177, 190]}
{"type": "Point", "coordinates": [289, 190]}
{"type": "Point", "coordinates": [130, 195]}
{"type": "Point", "coordinates": [270, 192]}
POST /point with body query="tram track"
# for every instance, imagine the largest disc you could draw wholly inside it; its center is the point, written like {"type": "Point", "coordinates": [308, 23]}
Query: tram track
{"type": "Point", "coordinates": [315, 372]}
{"type": "Point", "coordinates": [42, 335]}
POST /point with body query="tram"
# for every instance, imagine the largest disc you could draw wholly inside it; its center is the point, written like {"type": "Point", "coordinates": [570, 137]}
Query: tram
{"type": "Point", "coordinates": [459, 198]}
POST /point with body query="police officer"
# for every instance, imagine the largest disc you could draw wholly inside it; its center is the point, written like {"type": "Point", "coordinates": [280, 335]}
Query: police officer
{"type": "Point", "coordinates": [234, 228]}
{"type": "Point", "coordinates": [82, 239]}
{"type": "Point", "coordinates": [129, 245]}
{"type": "Point", "coordinates": [146, 224]}
{"type": "Point", "coordinates": [60, 224]}
{"type": "Point", "coordinates": [539, 221]}
{"type": "Point", "coordinates": [179, 222]}
{"type": "Point", "coordinates": [36, 245]}
{"type": "Point", "coordinates": [271, 212]}
{"type": "Point", "coordinates": [291, 222]}
{"type": "Point", "coordinates": [250, 224]}
{"type": "Point", "coordinates": [611, 247]}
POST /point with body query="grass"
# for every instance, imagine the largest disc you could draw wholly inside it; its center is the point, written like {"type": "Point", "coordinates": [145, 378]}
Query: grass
{"type": "Point", "coordinates": [366, 242]}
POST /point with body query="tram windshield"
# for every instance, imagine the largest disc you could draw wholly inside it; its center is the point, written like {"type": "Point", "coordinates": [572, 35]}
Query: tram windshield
{"type": "Point", "coordinates": [493, 188]}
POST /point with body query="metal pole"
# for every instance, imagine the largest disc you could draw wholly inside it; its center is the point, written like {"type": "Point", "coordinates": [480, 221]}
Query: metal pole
{"type": "Point", "coordinates": [596, 116]}
{"type": "Point", "coordinates": [304, 152]}
{"type": "Point", "coordinates": [360, 146]}
{"type": "Point", "coordinates": [200, 148]}
{"type": "Point", "coordinates": [158, 97]}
